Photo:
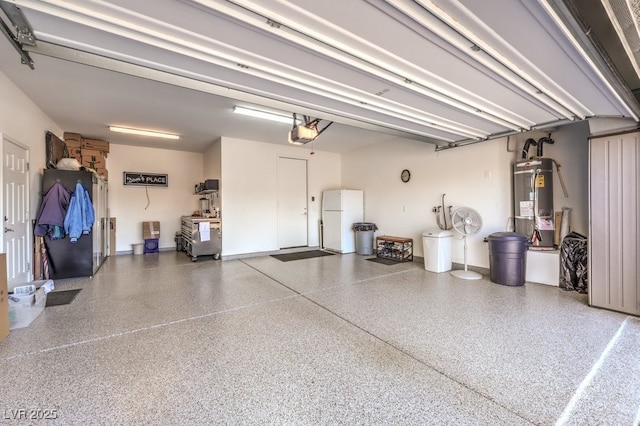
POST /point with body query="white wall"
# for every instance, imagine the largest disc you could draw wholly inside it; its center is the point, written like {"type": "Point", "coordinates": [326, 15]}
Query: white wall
{"type": "Point", "coordinates": [477, 176]}
{"type": "Point", "coordinates": [571, 151]}
{"type": "Point", "coordinates": [25, 123]}
{"type": "Point", "coordinates": [249, 192]}
{"type": "Point", "coordinates": [128, 204]}
{"type": "Point", "coordinates": [472, 176]}
{"type": "Point", "coordinates": [212, 169]}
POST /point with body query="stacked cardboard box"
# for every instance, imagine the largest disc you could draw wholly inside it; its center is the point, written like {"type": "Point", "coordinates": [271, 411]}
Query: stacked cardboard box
{"type": "Point", "coordinates": [96, 144]}
{"type": "Point", "coordinates": [151, 235]}
{"type": "Point", "coordinates": [93, 159]}
{"type": "Point", "coordinates": [150, 230]}
{"type": "Point", "coordinates": [91, 153]}
{"type": "Point", "coordinates": [73, 141]}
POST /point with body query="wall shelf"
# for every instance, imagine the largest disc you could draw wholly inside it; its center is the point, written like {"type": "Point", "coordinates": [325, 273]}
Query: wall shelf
{"type": "Point", "coordinates": [209, 186]}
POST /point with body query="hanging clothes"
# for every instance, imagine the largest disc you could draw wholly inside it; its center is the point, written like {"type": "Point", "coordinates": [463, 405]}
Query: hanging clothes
{"type": "Point", "coordinates": [80, 215]}
{"type": "Point", "coordinates": [53, 211]}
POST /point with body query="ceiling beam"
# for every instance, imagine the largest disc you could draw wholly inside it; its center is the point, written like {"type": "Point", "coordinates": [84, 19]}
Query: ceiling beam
{"type": "Point", "coordinates": [149, 73]}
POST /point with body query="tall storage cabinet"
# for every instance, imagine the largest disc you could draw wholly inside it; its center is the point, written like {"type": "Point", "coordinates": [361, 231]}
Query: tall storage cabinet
{"type": "Point", "coordinates": [614, 212]}
{"type": "Point", "coordinates": [83, 258]}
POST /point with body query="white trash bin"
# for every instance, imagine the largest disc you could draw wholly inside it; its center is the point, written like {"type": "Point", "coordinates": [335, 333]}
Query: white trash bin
{"type": "Point", "coordinates": [437, 250]}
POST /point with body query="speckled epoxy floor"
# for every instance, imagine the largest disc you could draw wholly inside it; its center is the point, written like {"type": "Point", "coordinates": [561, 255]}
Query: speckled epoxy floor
{"type": "Point", "coordinates": [157, 339]}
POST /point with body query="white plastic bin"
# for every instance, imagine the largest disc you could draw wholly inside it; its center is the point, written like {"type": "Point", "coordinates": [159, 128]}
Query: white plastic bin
{"type": "Point", "coordinates": [437, 250]}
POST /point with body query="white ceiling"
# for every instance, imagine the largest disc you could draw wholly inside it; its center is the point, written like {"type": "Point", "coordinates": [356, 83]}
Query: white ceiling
{"type": "Point", "coordinates": [443, 72]}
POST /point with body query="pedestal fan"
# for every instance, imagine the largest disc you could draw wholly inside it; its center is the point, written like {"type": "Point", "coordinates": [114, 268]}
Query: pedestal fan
{"type": "Point", "coordinates": [466, 221]}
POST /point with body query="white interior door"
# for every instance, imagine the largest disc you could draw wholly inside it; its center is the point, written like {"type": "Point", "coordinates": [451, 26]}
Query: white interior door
{"type": "Point", "coordinates": [16, 241]}
{"type": "Point", "coordinates": [292, 202]}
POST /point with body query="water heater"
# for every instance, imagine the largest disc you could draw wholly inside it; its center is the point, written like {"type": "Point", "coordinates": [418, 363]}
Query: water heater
{"type": "Point", "coordinates": [533, 201]}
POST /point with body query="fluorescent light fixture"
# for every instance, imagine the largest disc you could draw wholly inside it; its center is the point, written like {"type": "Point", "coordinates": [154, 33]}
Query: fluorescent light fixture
{"type": "Point", "coordinates": [280, 118]}
{"type": "Point", "coordinates": [142, 132]}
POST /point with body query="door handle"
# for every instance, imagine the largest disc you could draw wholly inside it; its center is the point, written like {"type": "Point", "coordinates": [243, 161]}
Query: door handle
{"type": "Point", "coordinates": [8, 229]}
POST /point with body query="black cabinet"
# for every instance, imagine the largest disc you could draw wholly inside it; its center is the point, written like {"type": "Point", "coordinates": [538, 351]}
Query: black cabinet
{"type": "Point", "coordinates": [84, 257]}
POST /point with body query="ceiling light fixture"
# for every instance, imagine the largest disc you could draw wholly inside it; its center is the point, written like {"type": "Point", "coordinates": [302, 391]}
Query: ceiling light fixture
{"type": "Point", "coordinates": [142, 132]}
{"type": "Point", "coordinates": [266, 115]}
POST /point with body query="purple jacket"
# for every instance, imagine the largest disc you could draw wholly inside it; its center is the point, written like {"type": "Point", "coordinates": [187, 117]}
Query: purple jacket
{"type": "Point", "coordinates": [53, 209]}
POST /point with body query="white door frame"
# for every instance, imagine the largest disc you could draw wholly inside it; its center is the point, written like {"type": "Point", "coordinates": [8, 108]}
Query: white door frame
{"type": "Point", "coordinates": [306, 207]}
{"type": "Point", "coordinates": [28, 255]}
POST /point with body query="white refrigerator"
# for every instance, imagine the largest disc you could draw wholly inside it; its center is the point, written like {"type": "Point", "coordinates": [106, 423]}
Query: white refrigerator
{"type": "Point", "coordinates": [341, 208]}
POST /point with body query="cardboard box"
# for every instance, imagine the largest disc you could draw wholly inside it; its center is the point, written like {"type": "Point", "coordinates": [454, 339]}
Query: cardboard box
{"type": "Point", "coordinates": [91, 164]}
{"type": "Point", "coordinates": [72, 143]}
{"type": "Point", "coordinates": [94, 155]}
{"type": "Point", "coordinates": [103, 173]}
{"type": "Point", "coordinates": [150, 230]}
{"type": "Point", "coordinates": [112, 236]}
{"type": "Point", "coordinates": [4, 300]}
{"type": "Point", "coordinates": [68, 136]}
{"type": "Point", "coordinates": [556, 237]}
{"type": "Point", "coordinates": [93, 159]}
{"type": "Point", "coordinates": [96, 144]}
{"type": "Point", "coordinates": [75, 153]}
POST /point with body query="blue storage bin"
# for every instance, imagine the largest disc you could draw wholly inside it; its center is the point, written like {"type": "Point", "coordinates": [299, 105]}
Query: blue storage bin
{"type": "Point", "coordinates": [151, 246]}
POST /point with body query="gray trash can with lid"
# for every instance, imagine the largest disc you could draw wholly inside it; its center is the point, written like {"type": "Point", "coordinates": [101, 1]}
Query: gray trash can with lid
{"type": "Point", "coordinates": [179, 241]}
{"type": "Point", "coordinates": [508, 258]}
{"type": "Point", "coordinates": [364, 237]}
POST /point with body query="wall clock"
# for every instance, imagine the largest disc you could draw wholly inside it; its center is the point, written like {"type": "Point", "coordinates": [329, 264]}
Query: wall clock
{"type": "Point", "coordinates": [405, 175]}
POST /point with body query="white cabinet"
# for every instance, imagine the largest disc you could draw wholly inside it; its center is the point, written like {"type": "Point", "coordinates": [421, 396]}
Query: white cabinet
{"type": "Point", "coordinates": [614, 212]}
